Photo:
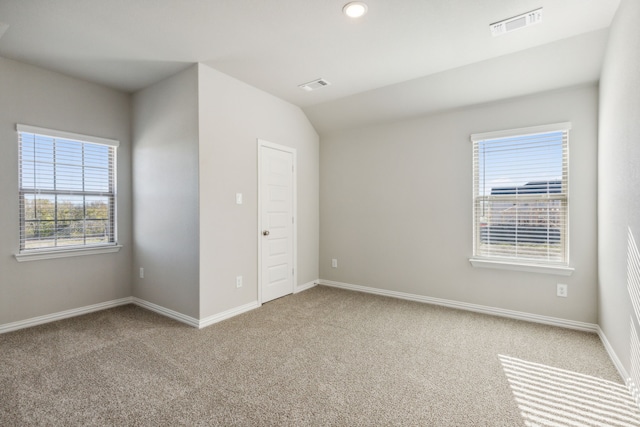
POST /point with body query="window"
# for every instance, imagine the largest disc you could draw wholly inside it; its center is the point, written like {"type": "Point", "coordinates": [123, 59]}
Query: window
{"type": "Point", "coordinates": [67, 190]}
{"type": "Point", "coordinates": [520, 195]}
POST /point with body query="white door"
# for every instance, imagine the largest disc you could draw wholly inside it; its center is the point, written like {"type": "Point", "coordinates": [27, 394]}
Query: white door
{"type": "Point", "coordinates": [277, 229]}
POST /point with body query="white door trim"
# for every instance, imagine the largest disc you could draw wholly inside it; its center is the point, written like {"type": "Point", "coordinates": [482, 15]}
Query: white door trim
{"type": "Point", "coordinates": [266, 144]}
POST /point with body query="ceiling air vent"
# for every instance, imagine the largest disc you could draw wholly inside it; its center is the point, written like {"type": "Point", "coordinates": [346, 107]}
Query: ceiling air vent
{"type": "Point", "coordinates": [316, 84]}
{"type": "Point", "coordinates": [515, 23]}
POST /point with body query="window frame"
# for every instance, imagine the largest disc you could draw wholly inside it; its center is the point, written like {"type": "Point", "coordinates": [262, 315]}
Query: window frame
{"type": "Point", "coordinates": [71, 250]}
{"type": "Point", "coordinates": [519, 264]}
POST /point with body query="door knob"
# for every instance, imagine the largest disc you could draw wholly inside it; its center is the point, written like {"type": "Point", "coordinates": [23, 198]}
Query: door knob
{"type": "Point", "coordinates": [265, 233]}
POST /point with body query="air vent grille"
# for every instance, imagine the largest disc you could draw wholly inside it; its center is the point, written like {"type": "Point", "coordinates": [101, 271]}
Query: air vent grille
{"type": "Point", "coordinates": [516, 22]}
{"type": "Point", "coordinates": [316, 84]}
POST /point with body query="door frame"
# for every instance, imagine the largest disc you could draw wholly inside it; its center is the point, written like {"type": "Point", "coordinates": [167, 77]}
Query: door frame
{"type": "Point", "coordinates": [261, 143]}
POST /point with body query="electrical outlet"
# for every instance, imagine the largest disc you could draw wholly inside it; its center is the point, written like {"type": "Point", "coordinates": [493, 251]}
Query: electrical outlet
{"type": "Point", "coordinates": [141, 273]}
{"type": "Point", "coordinates": [238, 281]}
{"type": "Point", "coordinates": [334, 263]}
{"type": "Point", "coordinates": [562, 290]}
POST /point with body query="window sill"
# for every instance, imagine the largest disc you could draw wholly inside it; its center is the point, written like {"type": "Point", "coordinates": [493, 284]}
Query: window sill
{"type": "Point", "coordinates": [65, 253]}
{"type": "Point", "coordinates": [515, 266]}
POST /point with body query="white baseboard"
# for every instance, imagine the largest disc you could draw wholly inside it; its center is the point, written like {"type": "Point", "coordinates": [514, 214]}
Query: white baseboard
{"type": "Point", "coordinates": [614, 357]}
{"type": "Point", "coordinates": [306, 286]}
{"type": "Point", "coordinates": [191, 321]}
{"type": "Point", "coordinates": [34, 321]}
{"type": "Point", "coordinates": [207, 321]}
{"type": "Point", "coordinates": [563, 323]}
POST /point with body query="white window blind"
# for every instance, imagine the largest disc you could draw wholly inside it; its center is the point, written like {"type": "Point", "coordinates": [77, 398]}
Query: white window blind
{"type": "Point", "coordinates": [520, 191]}
{"type": "Point", "coordinates": [67, 189]}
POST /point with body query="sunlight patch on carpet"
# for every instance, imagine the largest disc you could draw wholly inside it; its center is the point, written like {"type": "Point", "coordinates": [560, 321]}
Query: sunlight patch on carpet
{"type": "Point", "coordinates": [548, 396]}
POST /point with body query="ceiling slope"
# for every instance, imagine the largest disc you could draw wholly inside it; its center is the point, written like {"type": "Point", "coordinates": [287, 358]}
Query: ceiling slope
{"type": "Point", "coordinates": [275, 45]}
{"type": "Point", "coordinates": [568, 62]}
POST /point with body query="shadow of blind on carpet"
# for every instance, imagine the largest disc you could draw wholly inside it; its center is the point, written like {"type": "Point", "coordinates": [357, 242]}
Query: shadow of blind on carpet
{"type": "Point", "coordinates": [548, 396]}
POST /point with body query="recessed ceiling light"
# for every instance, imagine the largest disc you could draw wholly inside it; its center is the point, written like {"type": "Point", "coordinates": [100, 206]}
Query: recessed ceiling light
{"type": "Point", "coordinates": [355, 9]}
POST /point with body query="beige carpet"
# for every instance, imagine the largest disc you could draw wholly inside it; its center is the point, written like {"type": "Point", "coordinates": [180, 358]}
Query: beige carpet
{"type": "Point", "coordinates": [321, 357]}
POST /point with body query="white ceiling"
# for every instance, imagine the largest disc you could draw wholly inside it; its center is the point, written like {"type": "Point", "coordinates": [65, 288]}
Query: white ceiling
{"type": "Point", "coordinates": [405, 57]}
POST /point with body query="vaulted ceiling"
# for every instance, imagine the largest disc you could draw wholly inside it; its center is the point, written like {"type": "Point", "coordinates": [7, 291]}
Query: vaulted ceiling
{"type": "Point", "coordinates": [403, 58]}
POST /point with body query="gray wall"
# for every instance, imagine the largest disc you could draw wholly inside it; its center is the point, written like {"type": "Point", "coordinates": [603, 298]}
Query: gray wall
{"type": "Point", "coordinates": [165, 193]}
{"type": "Point", "coordinates": [396, 203]}
{"type": "Point", "coordinates": [232, 116]}
{"type": "Point", "coordinates": [619, 178]}
{"type": "Point", "coordinates": [33, 96]}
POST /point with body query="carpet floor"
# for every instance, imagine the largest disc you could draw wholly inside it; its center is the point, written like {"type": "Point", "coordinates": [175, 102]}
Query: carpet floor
{"type": "Point", "coordinates": [322, 357]}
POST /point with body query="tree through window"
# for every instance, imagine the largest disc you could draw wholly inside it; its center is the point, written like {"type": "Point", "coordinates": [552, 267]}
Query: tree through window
{"type": "Point", "coordinates": [67, 189]}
